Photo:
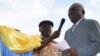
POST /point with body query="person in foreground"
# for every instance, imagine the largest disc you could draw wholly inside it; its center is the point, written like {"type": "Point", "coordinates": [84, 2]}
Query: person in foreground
{"type": "Point", "coordinates": [15, 43]}
{"type": "Point", "coordinates": [84, 36]}
{"type": "Point", "coordinates": [45, 27]}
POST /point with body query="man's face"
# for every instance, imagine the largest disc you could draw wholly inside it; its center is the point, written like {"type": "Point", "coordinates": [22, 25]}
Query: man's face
{"type": "Point", "coordinates": [45, 29]}
{"type": "Point", "coordinates": [75, 13]}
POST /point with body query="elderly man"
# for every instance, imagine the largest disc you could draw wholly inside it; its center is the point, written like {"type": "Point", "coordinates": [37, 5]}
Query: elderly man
{"type": "Point", "coordinates": [84, 36]}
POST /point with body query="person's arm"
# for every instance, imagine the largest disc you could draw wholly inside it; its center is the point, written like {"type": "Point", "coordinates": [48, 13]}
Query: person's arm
{"type": "Point", "coordinates": [47, 40]}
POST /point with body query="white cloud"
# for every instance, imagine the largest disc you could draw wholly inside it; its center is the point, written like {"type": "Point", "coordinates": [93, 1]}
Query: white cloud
{"type": "Point", "coordinates": [39, 10]}
{"type": "Point", "coordinates": [47, 3]}
{"type": "Point", "coordinates": [92, 13]}
{"type": "Point", "coordinates": [23, 8]}
{"type": "Point", "coordinates": [88, 13]}
{"type": "Point", "coordinates": [94, 2]}
{"type": "Point", "coordinates": [61, 11]}
{"type": "Point", "coordinates": [22, 13]}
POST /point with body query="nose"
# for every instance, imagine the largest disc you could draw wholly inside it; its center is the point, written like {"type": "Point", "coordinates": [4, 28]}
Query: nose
{"type": "Point", "coordinates": [47, 28]}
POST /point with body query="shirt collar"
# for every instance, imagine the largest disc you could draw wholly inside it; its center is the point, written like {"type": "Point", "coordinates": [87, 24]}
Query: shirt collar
{"type": "Point", "coordinates": [78, 21]}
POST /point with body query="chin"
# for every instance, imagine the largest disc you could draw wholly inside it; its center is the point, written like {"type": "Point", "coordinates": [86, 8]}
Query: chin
{"type": "Point", "coordinates": [73, 21]}
{"type": "Point", "coordinates": [47, 34]}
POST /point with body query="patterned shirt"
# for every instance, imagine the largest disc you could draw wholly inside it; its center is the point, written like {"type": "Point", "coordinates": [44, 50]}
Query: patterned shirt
{"type": "Point", "coordinates": [49, 50]}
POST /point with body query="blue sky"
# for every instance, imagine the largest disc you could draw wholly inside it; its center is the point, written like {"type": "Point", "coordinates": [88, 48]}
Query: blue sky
{"type": "Point", "coordinates": [25, 15]}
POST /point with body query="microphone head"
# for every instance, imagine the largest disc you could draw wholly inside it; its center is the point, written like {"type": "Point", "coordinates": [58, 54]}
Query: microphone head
{"type": "Point", "coordinates": [63, 20]}
{"type": "Point", "coordinates": [61, 24]}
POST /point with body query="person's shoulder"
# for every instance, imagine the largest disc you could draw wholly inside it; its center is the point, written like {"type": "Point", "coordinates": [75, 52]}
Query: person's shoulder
{"type": "Point", "coordinates": [91, 21]}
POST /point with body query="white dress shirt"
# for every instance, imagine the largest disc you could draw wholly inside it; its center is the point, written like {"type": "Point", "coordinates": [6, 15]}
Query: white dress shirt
{"type": "Point", "coordinates": [75, 25]}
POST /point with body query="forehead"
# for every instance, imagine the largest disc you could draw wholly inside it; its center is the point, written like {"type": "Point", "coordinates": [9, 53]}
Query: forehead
{"type": "Point", "coordinates": [76, 6]}
{"type": "Point", "coordinates": [46, 24]}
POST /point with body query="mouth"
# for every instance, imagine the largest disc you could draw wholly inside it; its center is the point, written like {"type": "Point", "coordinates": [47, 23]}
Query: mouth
{"type": "Point", "coordinates": [46, 32]}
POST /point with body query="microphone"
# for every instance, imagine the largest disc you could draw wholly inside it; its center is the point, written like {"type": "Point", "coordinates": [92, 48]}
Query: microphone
{"type": "Point", "coordinates": [61, 24]}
